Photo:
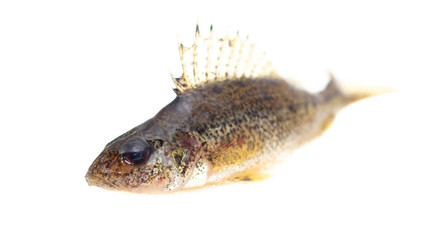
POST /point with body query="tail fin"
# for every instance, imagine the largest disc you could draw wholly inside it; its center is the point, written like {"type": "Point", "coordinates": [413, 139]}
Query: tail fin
{"type": "Point", "coordinates": [350, 94]}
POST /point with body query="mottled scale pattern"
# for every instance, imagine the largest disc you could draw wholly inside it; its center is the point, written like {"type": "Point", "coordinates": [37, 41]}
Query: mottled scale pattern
{"type": "Point", "coordinates": [242, 120]}
{"type": "Point", "coordinates": [232, 116]}
{"type": "Point", "coordinates": [232, 126]}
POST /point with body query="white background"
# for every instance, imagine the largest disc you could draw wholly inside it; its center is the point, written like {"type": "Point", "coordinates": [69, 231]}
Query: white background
{"type": "Point", "coordinates": [76, 74]}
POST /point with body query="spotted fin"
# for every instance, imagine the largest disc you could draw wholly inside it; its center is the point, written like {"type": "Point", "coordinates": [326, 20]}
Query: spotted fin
{"type": "Point", "coordinates": [218, 59]}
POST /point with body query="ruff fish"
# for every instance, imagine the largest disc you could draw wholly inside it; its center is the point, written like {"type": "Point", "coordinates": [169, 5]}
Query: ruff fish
{"type": "Point", "coordinates": [232, 118]}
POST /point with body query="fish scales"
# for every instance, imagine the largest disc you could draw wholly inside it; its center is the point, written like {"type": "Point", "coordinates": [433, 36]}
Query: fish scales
{"type": "Point", "coordinates": [243, 124]}
{"type": "Point", "coordinates": [216, 130]}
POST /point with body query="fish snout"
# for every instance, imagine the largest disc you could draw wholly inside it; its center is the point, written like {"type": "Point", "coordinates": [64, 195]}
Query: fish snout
{"type": "Point", "coordinates": [98, 181]}
{"type": "Point", "coordinates": [89, 179]}
{"type": "Point", "coordinates": [97, 174]}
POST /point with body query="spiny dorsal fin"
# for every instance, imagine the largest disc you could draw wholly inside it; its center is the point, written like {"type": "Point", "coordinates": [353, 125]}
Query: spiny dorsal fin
{"type": "Point", "coordinates": [218, 59]}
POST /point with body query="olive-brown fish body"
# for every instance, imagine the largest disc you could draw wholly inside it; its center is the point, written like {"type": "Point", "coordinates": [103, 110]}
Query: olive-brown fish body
{"type": "Point", "coordinates": [232, 118]}
{"type": "Point", "coordinates": [217, 132]}
{"type": "Point", "coordinates": [244, 125]}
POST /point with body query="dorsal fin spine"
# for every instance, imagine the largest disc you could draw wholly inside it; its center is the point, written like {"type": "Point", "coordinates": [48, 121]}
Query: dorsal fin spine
{"type": "Point", "coordinates": [182, 59]}
{"type": "Point", "coordinates": [194, 60]}
{"type": "Point", "coordinates": [210, 59]}
{"type": "Point", "coordinates": [209, 53]}
{"type": "Point", "coordinates": [224, 41]}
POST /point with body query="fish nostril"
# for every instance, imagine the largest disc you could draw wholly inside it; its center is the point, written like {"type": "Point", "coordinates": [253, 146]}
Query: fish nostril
{"type": "Point", "coordinates": [102, 160]}
{"type": "Point", "coordinates": [109, 165]}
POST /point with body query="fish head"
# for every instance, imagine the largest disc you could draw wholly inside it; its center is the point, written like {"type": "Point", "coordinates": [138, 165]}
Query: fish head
{"type": "Point", "coordinates": [137, 164]}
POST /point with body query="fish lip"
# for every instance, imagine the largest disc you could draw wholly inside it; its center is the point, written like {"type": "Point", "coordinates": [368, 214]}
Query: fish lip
{"type": "Point", "coordinates": [94, 180]}
{"type": "Point", "coordinates": [90, 179]}
{"type": "Point", "coordinates": [87, 179]}
{"type": "Point", "coordinates": [93, 177]}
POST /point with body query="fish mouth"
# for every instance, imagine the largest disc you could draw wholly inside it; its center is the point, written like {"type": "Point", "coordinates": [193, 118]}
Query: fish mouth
{"type": "Point", "coordinates": [98, 175]}
{"type": "Point", "coordinates": [90, 179]}
{"type": "Point", "coordinates": [97, 181]}
{"type": "Point", "coordinates": [94, 180]}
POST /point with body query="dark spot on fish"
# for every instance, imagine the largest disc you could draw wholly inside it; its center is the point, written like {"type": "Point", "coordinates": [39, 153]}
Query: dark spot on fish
{"type": "Point", "coordinates": [178, 156]}
{"type": "Point", "coordinates": [217, 89]}
{"type": "Point", "coordinates": [267, 98]}
{"type": "Point", "coordinates": [200, 130]}
{"type": "Point", "coordinates": [293, 108]}
{"type": "Point", "coordinates": [240, 83]}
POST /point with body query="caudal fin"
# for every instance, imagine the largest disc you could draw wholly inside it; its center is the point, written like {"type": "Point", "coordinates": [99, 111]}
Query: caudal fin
{"type": "Point", "coordinates": [350, 94]}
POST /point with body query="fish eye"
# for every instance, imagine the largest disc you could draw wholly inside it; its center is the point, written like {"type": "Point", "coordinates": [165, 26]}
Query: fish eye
{"type": "Point", "coordinates": [135, 151]}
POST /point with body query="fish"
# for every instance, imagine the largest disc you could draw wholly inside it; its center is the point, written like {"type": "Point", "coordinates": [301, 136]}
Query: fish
{"type": "Point", "coordinates": [232, 119]}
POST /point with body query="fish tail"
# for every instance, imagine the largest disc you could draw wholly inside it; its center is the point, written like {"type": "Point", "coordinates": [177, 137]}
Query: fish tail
{"type": "Point", "coordinates": [349, 95]}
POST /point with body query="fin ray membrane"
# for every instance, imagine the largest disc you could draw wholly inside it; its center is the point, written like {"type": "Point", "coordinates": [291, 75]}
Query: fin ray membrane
{"type": "Point", "coordinates": [219, 59]}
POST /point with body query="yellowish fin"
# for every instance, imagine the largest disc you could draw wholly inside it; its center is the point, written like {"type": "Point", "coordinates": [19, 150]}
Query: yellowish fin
{"type": "Point", "coordinates": [218, 59]}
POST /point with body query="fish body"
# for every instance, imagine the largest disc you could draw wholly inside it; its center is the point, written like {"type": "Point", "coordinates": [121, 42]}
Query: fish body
{"type": "Point", "coordinates": [216, 130]}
